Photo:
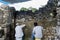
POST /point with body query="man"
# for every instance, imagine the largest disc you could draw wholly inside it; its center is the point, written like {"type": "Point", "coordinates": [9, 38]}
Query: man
{"type": "Point", "coordinates": [58, 32]}
{"type": "Point", "coordinates": [37, 31]}
{"type": "Point", "coordinates": [19, 32]}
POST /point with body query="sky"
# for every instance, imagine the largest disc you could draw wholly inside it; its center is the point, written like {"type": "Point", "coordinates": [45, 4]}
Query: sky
{"type": "Point", "coordinates": [3, 2]}
{"type": "Point", "coordinates": [33, 3]}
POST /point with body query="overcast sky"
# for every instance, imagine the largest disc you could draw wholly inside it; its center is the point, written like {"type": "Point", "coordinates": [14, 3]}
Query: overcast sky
{"type": "Point", "coordinates": [33, 3]}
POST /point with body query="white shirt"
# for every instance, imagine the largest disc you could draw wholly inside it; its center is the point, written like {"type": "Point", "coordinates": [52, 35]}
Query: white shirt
{"type": "Point", "coordinates": [38, 31]}
{"type": "Point", "coordinates": [19, 31]}
{"type": "Point", "coordinates": [58, 30]}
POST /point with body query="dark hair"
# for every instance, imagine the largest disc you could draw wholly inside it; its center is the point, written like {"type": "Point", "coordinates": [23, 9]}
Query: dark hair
{"type": "Point", "coordinates": [35, 24]}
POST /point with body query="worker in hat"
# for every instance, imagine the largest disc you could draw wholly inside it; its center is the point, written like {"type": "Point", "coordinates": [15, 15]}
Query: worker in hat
{"type": "Point", "coordinates": [19, 32]}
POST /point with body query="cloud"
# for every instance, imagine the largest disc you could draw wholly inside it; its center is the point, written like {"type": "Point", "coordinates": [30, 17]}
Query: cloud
{"type": "Point", "coordinates": [1, 3]}
{"type": "Point", "coordinates": [33, 3]}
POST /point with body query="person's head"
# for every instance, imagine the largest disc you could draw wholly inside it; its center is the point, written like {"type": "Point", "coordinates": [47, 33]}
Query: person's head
{"type": "Point", "coordinates": [35, 23]}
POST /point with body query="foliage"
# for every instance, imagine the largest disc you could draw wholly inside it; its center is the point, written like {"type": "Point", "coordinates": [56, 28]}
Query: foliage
{"type": "Point", "coordinates": [24, 9]}
{"type": "Point", "coordinates": [33, 9]}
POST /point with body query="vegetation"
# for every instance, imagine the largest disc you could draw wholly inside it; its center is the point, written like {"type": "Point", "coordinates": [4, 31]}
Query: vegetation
{"type": "Point", "coordinates": [24, 9]}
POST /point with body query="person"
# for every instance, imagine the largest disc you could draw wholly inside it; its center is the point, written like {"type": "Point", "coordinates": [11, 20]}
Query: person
{"type": "Point", "coordinates": [23, 38]}
{"type": "Point", "coordinates": [32, 36]}
{"type": "Point", "coordinates": [58, 32]}
{"type": "Point", "coordinates": [19, 32]}
{"type": "Point", "coordinates": [37, 31]}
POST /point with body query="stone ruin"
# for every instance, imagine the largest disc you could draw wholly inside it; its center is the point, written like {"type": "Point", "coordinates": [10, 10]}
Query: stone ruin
{"type": "Point", "coordinates": [49, 33]}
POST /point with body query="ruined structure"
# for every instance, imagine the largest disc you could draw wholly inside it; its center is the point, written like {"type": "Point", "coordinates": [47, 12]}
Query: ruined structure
{"type": "Point", "coordinates": [6, 21]}
{"type": "Point", "coordinates": [58, 21]}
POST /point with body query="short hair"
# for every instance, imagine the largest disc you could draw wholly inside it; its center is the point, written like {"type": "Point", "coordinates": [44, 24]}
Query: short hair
{"type": "Point", "coordinates": [35, 23]}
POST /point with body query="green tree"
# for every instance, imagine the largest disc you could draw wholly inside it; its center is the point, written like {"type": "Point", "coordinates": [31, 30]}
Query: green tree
{"type": "Point", "coordinates": [24, 9]}
{"type": "Point", "coordinates": [33, 9]}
